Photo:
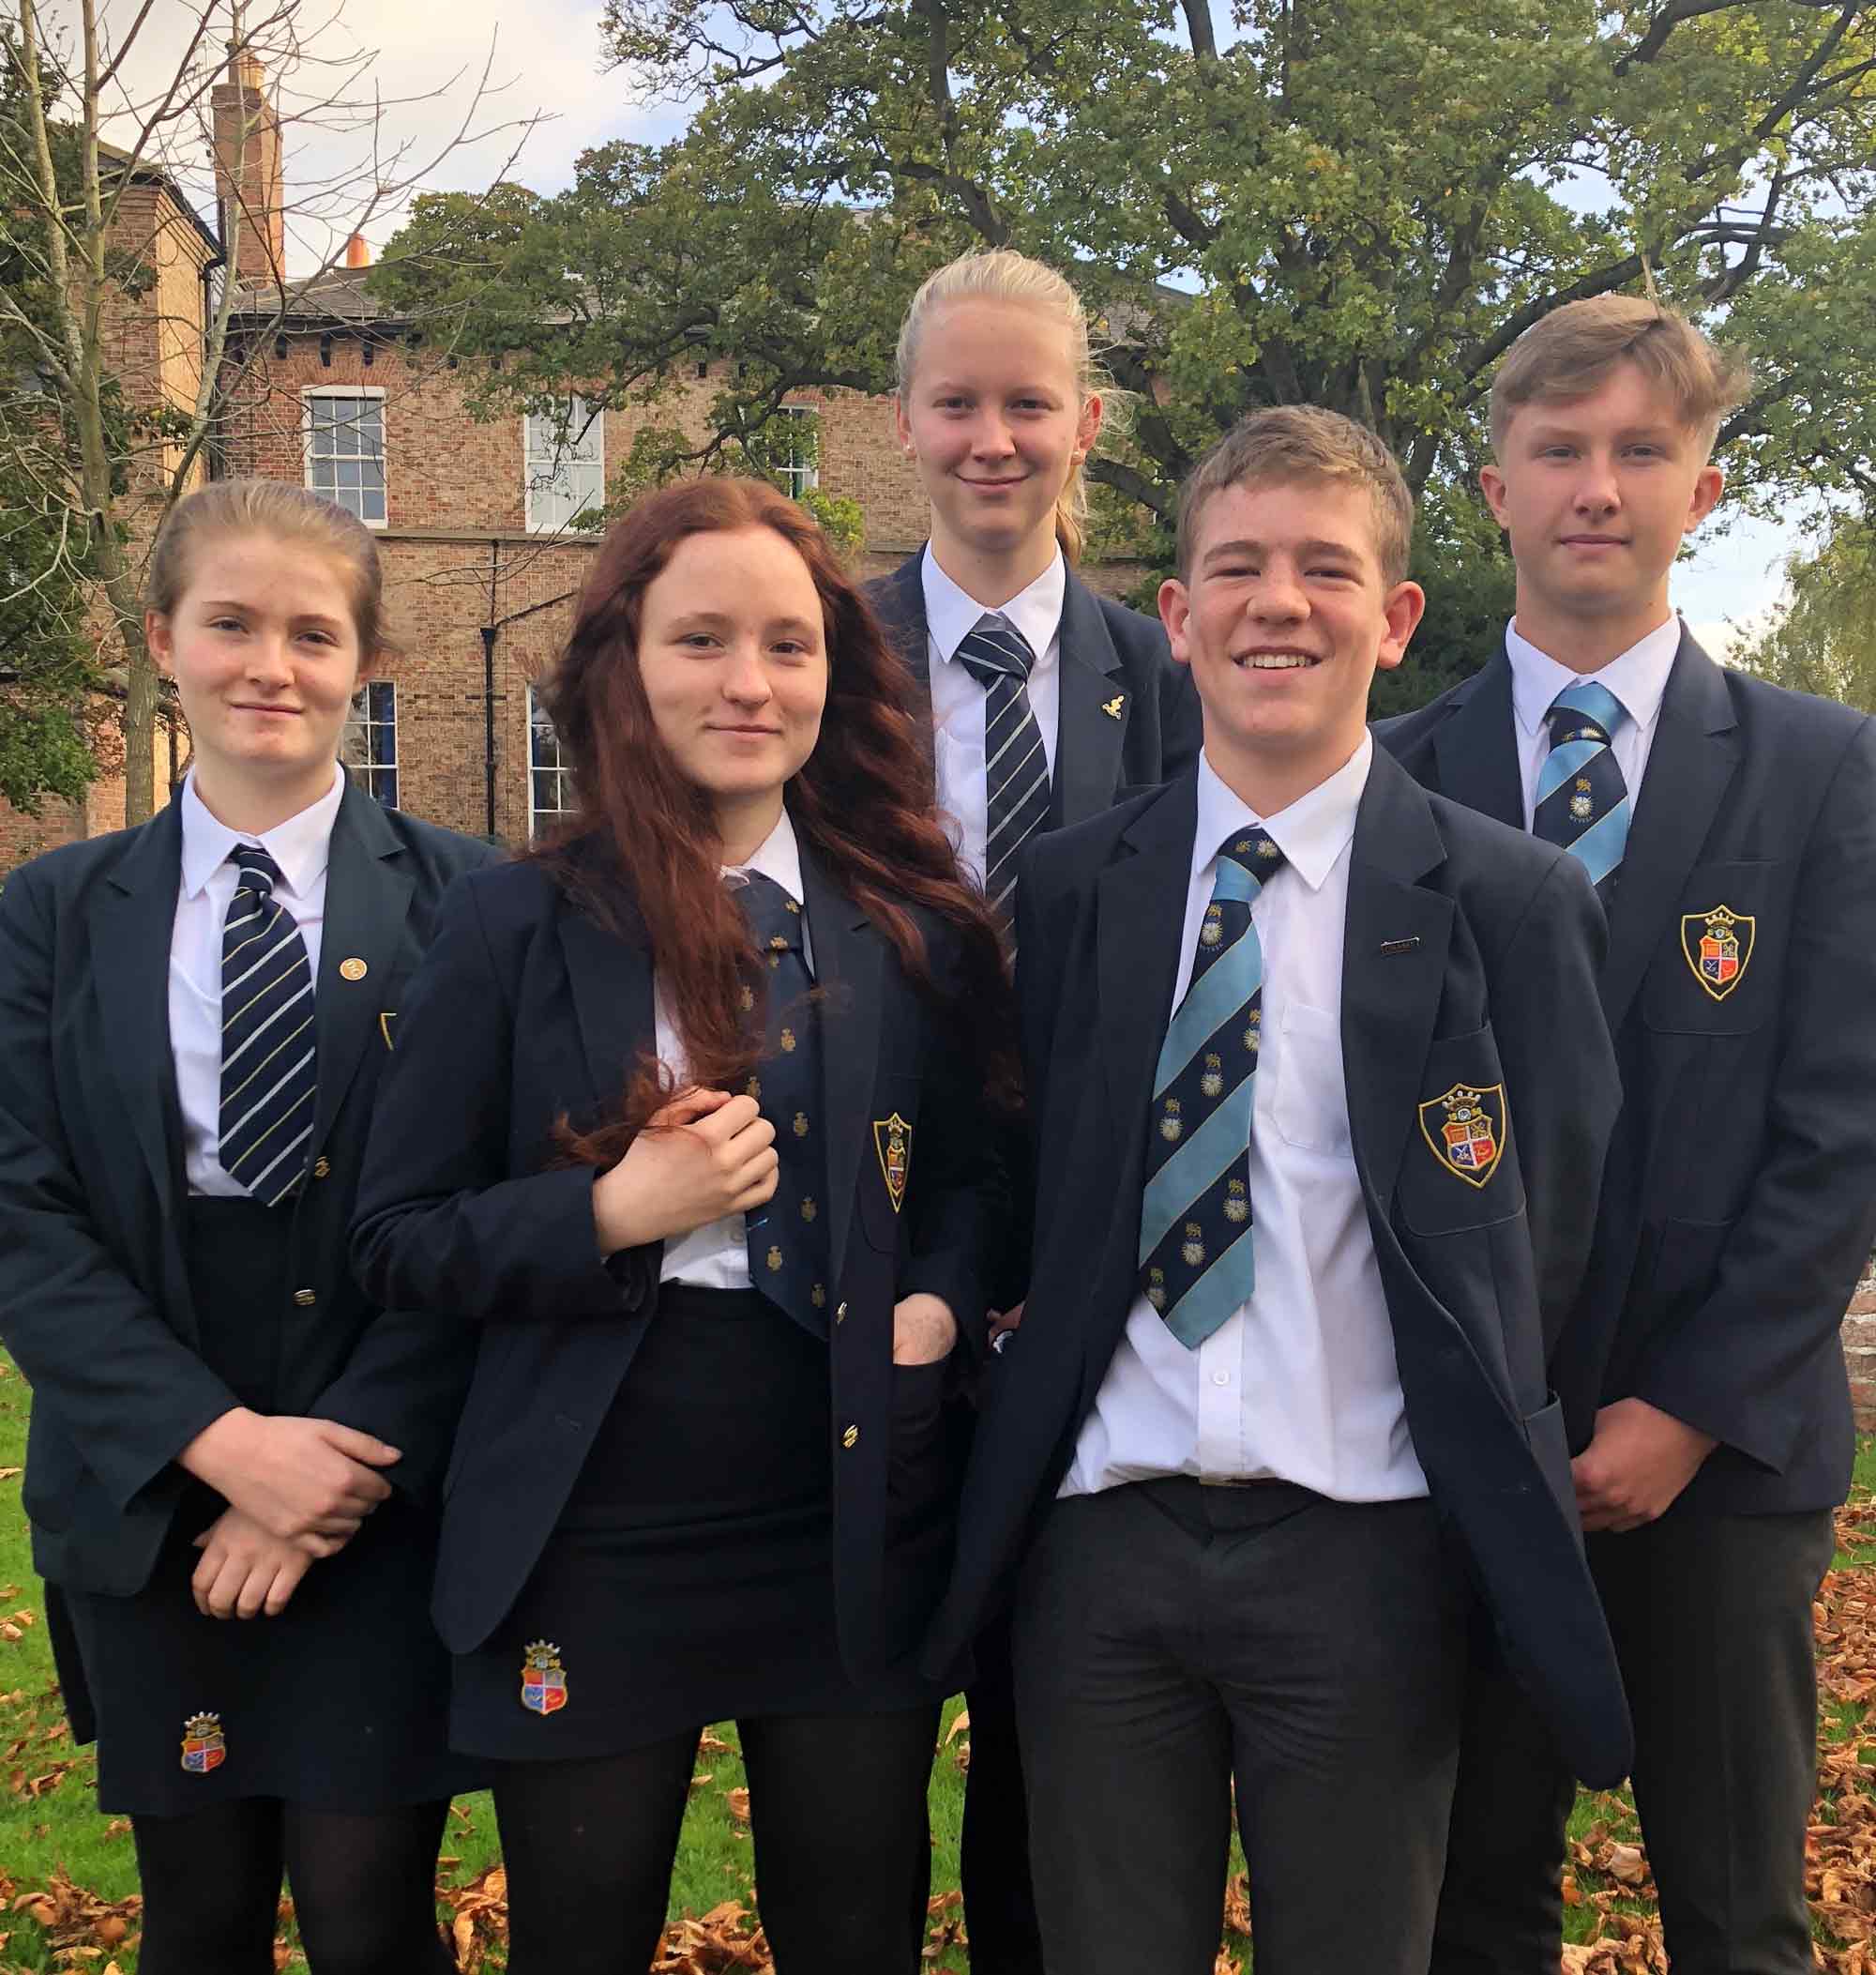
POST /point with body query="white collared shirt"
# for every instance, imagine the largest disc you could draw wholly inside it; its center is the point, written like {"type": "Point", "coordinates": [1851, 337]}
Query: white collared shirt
{"type": "Point", "coordinates": [1639, 678]}
{"type": "Point", "coordinates": [716, 1255]}
{"type": "Point", "coordinates": [1300, 1382]}
{"type": "Point", "coordinates": [300, 847]}
{"type": "Point", "coordinates": [957, 701]}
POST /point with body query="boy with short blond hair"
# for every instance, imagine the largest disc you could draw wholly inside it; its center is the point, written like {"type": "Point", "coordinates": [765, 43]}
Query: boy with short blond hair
{"type": "Point", "coordinates": [1278, 1389]}
{"type": "Point", "coordinates": [1730, 828]}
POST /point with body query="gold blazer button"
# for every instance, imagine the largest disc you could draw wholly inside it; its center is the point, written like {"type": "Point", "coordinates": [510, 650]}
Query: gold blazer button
{"type": "Point", "coordinates": [851, 1438]}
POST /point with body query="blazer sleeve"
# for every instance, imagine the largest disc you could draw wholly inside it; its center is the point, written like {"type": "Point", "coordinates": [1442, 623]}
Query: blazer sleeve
{"type": "Point", "coordinates": [99, 1355]}
{"type": "Point", "coordinates": [962, 1198]}
{"type": "Point", "coordinates": [1562, 1088]}
{"type": "Point", "coordinates": [1740, 1366]}
{"type": "Point", "coordinates": [442, 1223]}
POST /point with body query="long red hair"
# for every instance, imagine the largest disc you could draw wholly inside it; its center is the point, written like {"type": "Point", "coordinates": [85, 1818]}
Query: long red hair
{"type": "Point", "coordinates": [863, 802]}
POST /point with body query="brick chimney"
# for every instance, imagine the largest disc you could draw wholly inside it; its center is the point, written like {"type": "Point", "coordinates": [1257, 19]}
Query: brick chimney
{"type": "Point", "coordinates": [357, 253]}
{"type": "Point", "coordinates": [247, 172]}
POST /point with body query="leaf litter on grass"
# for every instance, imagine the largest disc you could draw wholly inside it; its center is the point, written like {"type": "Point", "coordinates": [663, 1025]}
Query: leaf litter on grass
{"type": "Point", "coordinates": [1606, 1876]}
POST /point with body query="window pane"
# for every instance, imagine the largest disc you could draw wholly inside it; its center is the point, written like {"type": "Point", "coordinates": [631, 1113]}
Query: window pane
{"type": "Point", "coordinates": [371, 506]}
{"type": "Point", "coordinates": [387, 790]}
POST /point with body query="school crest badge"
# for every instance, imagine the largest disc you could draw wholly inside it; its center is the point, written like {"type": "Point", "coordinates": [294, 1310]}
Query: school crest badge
{"type": "Point", "coordinates": [892, 1141]}
{"type": "Point", "coordinates": [1465, 1129]}
{"type": "Point", "coordinates": [204, 1746]}
{"type": "Point", "coordinates": [1717, 945]}
{"type": "Point", "coordinates": [543, 1679]}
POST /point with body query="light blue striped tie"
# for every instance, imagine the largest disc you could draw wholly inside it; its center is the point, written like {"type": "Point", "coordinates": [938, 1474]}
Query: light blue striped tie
{"type": "Point", "coordinates": [1196, 1260]}
{"type": "Point", "coordinates": [1582, 802]}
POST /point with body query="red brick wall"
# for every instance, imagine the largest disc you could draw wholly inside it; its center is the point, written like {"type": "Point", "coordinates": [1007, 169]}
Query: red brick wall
{"type": "Point", "coordinates": [1859, 1351]}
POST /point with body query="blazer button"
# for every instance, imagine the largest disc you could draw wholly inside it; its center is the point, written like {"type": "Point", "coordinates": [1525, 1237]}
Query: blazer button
{"type": "Point", "coordinates": [306, 1299]}
{"type": "Point", "coordinates": [851, 1438]}
{"type": "Point", "coordinates": [322, 1167]}
{"type": "Point", "coordinates": [840, 1313]}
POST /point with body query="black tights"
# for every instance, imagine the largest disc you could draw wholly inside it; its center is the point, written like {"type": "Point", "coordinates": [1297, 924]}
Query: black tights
{"type": "Point", "coordinates": [836, 1808]}
{"type": "Point", "coordinates": [363, 1887]}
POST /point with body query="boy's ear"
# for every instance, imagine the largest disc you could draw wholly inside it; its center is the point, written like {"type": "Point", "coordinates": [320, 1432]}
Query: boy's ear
{"type": "Point", "coordinates": [1175, 609]}
{"type": "Point", "coordinates": [1491, 484]}
{"type": "Point", "coordinates": [1403, 607]}
{"type": "Point", "coordinates": [1708, 487]}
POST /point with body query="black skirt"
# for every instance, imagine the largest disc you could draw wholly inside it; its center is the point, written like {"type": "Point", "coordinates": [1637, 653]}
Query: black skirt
{"type": "Point", "coordinates": [338, 1703]}
{"type": "Point", "coordinates": [689, 1578]}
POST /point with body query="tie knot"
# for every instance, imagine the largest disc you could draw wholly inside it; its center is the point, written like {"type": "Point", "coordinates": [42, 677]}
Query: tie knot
{"type": "Point", "coordinates": [995, 650]}
{"type": "Point", "coordinates": [1255, 852]}
{"type": "Point", "coordinates": [774, 918]}
{"type": "Point", "coordinates": [259, 872]}
{"type": "Point", "coordinates": [1584, 713]}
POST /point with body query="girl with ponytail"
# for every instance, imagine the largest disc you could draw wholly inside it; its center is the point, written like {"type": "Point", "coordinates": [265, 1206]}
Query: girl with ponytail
{"type": "Point", "coordinates": [1042, 701]}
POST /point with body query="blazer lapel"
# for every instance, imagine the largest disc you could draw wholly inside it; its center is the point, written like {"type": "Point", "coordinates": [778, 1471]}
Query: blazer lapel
{"type": "Point", "coordinates": [1140, 924]}
{"type": "Point", "coordinates": [610, 976]}
{"type": "Point", "coordinates": [1692, 759]}
{"type": "Point", "coordinates": [1390, 999]}
{"type": "Point", "coordinates": [368, 894]}
{"type": "Point", "coordinates": [1476, 748]}
{"type": "Point", "coordinates": [899, 602]}
{"type": "Point", "coordinates": [849, 966]}
{"type": "Point", "coordinates": [1088, 737]}
{"type": "Point", "coordinates": [132, 922]}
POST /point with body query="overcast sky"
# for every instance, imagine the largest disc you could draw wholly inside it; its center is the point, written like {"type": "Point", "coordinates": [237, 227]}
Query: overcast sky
{"type": "Point", "coordinates": [546, 62]}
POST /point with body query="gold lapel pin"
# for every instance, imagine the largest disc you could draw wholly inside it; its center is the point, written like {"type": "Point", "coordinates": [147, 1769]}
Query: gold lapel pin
{"type": "Point", "coordinates": [353, 969]}
{"type": "Point", "coordinates": [1112, 707]}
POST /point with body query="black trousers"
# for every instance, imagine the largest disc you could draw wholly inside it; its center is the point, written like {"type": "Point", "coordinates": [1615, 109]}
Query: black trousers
{"type": "Point", "coordinates": [1172, 1640]}
{"type": "Point", "coordinates": [993, 1854]}
{"type": "Point", "coordinates": [1712, 1620]}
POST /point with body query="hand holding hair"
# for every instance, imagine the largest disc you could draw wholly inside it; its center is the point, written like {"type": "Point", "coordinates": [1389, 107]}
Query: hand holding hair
{"type": "Point", "coordinates": [705, 1156]}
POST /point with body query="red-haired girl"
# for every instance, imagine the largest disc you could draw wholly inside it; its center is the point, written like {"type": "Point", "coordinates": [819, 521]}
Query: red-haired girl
{"type": "Point", "coordinates": [703, 1472]}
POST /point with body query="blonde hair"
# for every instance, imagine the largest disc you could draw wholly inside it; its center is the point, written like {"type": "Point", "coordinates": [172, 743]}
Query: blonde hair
{"type": "Point", "coordinates": [1575, 350]}
{"type": "Point", "coordinates": [1303, 442]}
{"type": "Point", "coordinates": [1003, 276]}
{"type": "Point", "coordinates": [283, 513]}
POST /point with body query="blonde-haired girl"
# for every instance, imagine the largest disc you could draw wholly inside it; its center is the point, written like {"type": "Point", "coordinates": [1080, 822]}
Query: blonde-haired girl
{"type": "Point", "coordinates": [1046, 700]}
{"type": "Point", "coordinates": [230, 1445]}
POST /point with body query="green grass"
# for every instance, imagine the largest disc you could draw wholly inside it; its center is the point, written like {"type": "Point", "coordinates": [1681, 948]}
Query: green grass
{"type": "Point", "coordinates": [61, 1829]}
{"type": "Point", "coordinates": [50, 1823]}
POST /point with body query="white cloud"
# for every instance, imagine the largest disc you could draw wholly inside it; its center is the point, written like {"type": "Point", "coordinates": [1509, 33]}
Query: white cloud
{"type": "Point", "coordinates": [428, 62]}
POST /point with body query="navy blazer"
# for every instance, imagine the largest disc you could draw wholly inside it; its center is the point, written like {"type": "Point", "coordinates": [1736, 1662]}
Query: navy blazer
{"type": "Point", "coordinates": [1469, 959]}
{"type": "Point", "coordinates": [1740, 1201]}
{"type": "Point", "coordinates": [95, 1299]}
{"type": "Point", "coordinates": [1108, 653]}
{"type": "Point", "coordinates": [528, 1008]}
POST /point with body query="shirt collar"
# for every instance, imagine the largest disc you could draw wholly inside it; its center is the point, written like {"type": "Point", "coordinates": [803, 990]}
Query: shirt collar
{"type": "Point", "coordinates": [299, 846]}
{"type": "Point", "coordinates": [951, 616]}
{"type": "Point", "coordinates": [1312, 832]}
{"type": "Point", "coordinates": [776, 858]}
{"type": "Point", "coordinates": [1638, 677]}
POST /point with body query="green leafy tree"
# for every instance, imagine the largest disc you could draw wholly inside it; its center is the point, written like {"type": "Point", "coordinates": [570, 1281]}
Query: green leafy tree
{"type": "Point", "coordinates": [1287, 200]}
{"type": "Point", "coordinates": [1825, 639]}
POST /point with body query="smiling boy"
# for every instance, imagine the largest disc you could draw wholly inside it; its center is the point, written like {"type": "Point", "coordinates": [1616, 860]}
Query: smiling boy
{"type": "Point", "coordinates": [1731, 828]}
{"type": "Point", "coordinates": [1321, 1095]}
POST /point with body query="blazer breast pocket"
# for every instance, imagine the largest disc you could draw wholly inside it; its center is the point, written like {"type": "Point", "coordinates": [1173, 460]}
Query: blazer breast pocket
{"type": "Point", "coordinates": [1461, 1166]}
{"type": "Point", "coordinates": [889, 1160]}
{"type": "Point", "coordinates": [1717, 967]}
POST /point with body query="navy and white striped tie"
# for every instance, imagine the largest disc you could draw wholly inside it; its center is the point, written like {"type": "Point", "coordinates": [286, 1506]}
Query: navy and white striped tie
{"type": "Point", "coordinates": [1196, 1262]}
{"type": "Point", "coordinates": [1583, 800]}
{"type": "Point", "coordinates": [1016, 765]}
{"type": "Point", "coordinates": [267, 1036]}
